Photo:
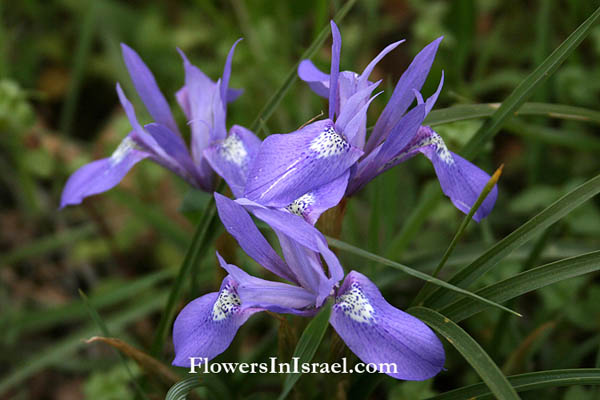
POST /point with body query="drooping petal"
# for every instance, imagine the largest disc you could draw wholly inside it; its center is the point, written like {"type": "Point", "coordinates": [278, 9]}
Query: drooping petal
{"type": "Point", "coordinates": [240, 225]}
{"type": "Point", "coordinates": [461, 180]}
{"type": "Point", "coordinates": [402, 97]}
{"type": "Point", "coordinates": [379, 333]}
{"type": "Point", "coordinates": [231, 158]}
{"type": "Point", "coordinates": [311, 205]}
{"type": "Point", "coordinates": [146, 86]}
{"type": "Point", "coordinates": [101, 175]}
{"type": "Point", "coordinates": [273, 296]}
{"type": "Point", "coordinates": [336, 48]}
{"type": "Point", "coordinates": [316, 79]}
{"type": "Point", "coordinates": [206, 327]}
{"type": "Point", "coordinates": [290, 165]}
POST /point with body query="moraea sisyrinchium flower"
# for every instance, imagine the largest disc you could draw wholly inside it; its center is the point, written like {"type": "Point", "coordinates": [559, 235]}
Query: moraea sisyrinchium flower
{"type": "Point", "coordinates": [373, 329]}
{"type": "Point", "coordinates": [212, 148]}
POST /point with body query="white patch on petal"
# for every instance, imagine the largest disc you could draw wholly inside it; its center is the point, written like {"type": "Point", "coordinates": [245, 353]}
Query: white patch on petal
{"type": "Point", "coordinates": [227, 303]}
{"type": "Point", "coordinates": [355, 305]}
{"type": "Point", "coordinates": [439, 146]}
{"type": "Point", "coordinates": [329, 143]}
{"type": "Point", "coordinates": [300, 205]}
{"type": "Point", "coordinates": [122, 151]}
{"type": "Point", "coordinates": [233, 150]}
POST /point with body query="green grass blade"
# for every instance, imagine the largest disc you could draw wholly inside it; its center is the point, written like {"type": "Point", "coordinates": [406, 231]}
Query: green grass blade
{"type": "Point", "coordinates": [307, 346]}
{"type": "Point", "coordinates": [529, 381]}
{"type": "Point", "coordinates": [459, 233]}
{"type": "Point", "coordinates": [412, 272]}
{"type": "Point", "coordinates": [520, 236]}
{"type": "Point", "coordinates": [528, 86]}
{"type": "Point", "coordinates": [464, 112]}
{"type": "Point", "coordinates": [525, 282]}
{"type": "Point", "coordinates": [60, 350]}
{"type": "Point", "coordinates": [291, 77]}
{"type": "Point", "coordinates": [470, 350]}
{"type": "Point", "coordinates": [180, 390]}
{"type": "Point", "coordinates": [104, 329]}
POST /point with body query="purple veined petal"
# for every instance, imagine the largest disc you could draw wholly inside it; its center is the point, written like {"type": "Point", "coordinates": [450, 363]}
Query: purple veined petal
{"type": "Point", "coordinates": [352, 107]}
{"type": "Point", "coordinates": [240, 225]}
{"type": "Point", "coordinates": [227, 73]}
{"type": "Point", "coordinates": [273, 296]}
{"type": "Point", "coordinates": [231, 158]}
{"type": "Point", "coordinates": [461, 180]}
{"type": "Point", "coordinates": [200, 100]}
{"type": "Point", "coordinates": [356, 128]}
{"type": "Point", "coordinates": [218, 130]}
{"type": "Point", "coordinates": [101, 175]}
{"type": "Point", "coordinates": [206, 327]}
{"type": "Point", "coordinates": [307, 266]}
{"type": "Point", "coordinates": [336, 48]}
{"type": "Point", "coordinates": [290, 165]}
{"type": "Point", "coordinates": [379, 333]}
{"type": "Point", "coordinates": [316, 79]}
{"type": "Point", "coordinates": [402, 97]}
{"type": "Point", "coordinates": [311, 205]}
{"type": "Point", "coordinates": [384, 156]}
{"type": "Point", "coordinates": [146, 86]}
{"type": "Point", "coordinates": [362, 80]}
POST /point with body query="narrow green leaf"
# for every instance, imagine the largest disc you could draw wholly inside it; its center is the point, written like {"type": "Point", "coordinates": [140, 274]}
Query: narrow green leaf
{"type": "Point", "coordinates": [412, 272]}
{"type": "Point", "coordinates": [528, 86]}
{"type": "Point", "coordinates": [459, 233]}
{"type": "Point", "coordinates": [307, 346]}
{"type": "Point", "coordinates": [521, 235]}
{"type": "Point", "coordinates": [464, 112]}
{"type": "Point", "coordinates": [104, 329]}
{"type": "Point", "coordinates": [525, 282]}
{"type": "Point", "coordinates": [552, 136]}
{"type": "Point", "coordinates": [291, 77]}
{"type": "Point", "coordinates": [529, 381]}
{"type": "Point", "coordinates": [180, 390]}
{"type": "Point", "coordinates": [470, 350]}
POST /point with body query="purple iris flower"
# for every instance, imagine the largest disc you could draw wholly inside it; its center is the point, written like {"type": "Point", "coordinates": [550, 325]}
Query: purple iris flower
{"type": "Point", "coordinates": [373, 329]}
{"type": "Point", "coordinates": [211, 147]}
{"type": "Point", "coordinates": [301, 163]}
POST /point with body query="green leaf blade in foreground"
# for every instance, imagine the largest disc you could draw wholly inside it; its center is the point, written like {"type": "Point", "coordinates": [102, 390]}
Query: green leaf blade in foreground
{"type": "Point", "coordinates": [521, 235]}
{"type": "Point", "coordinates": [470, 350]}
{"type": "Point", "coordinates": [412, 272]}
{"type": "Point", "coordinates": [307, 346]}
{"type": "Point", "coordinates": [525, 282]}
{"type": "Point", "coordinates": [528, 86]}
{"type": "Point", "coordinates": [529, 381]}
{"type": "Point", "coordinates": [180, 390]}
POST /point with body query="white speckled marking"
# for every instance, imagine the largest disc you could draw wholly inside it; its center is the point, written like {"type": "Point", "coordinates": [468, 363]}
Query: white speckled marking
{"type": "Point", "coordinates": [439, 146]}
{"type": "Point", "coordinates": [227, 303]}
{"type": "Point", "coordinates": [300, 205]}
{"type": "Point", "coordinates": [355, 305]}
{"type": "Point", "coordinates": [121, 152]}
{"type": "Point", "coordinates": [233, 150]}
{"type": "Point", "coordinates": [329, 143]}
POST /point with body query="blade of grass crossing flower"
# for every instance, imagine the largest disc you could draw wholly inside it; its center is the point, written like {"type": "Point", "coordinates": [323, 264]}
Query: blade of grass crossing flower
{"type": "Point", "coordinates": [307, 346]}
{"type": "Point", "coordinates": [181, 389]}
{"type": "Point", "coordinates": [104, 329]}
{"type": "Point", "coordinates": [528, 86]}
{"type": "Point", "coordinates": [525, 282]}
{"type": "Point", "coordinates": [274, 101]}
{"type": "Point", "coordinates": [459, 233]}
{"type": "Point", "coordinates": [529, 381]}
{"type": "Point", "coordinates": [200, 242]}
{"type": "Point", "coordinates": [412, 272]}
{"type": "Point", "coordinates": [464, 112]}
{"type": "Point", "coordinates": [520, 236]}
{"type": "Point", "coordinates": [470, 350]}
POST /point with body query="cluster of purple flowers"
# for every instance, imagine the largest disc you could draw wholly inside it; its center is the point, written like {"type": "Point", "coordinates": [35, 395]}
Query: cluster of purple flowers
{"type": "Point", "coordinates": [287, 181]}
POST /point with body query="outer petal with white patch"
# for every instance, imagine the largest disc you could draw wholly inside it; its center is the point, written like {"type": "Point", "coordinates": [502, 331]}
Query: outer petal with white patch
{"type": "Point", "coordinates": [232, 157]}
{"type": "Point", "coordinates": [290, 165]}
{"type": "Point", "coordinates": [206, 327]}
{"type": "Point", "coordinates": [379, 333]}
{"type": "Point", "coordinates": [101, 175]}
